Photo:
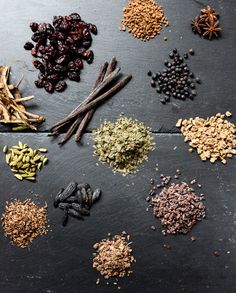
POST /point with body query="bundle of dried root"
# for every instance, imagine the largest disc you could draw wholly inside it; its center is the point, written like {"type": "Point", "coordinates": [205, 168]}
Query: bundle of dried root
{"type": "Point", "coordinates": [12, 109]}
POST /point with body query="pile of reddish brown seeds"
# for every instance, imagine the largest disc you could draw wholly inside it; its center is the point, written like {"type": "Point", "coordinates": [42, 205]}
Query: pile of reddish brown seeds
{"type": "Point", "coordinates": [177, 206]}
{"type": "Point", "coordinates": [62, 47]}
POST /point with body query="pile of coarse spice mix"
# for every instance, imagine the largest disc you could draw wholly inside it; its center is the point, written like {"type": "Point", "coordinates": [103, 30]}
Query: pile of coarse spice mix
{"type": "Point", "coordinates": [177, 205]}
{"type": "Point", "coordinates": [23, 221]}
{"type": "Point", "coordinates": [124, 145]}
{"type": "Point", "coordinates": [213, 138]}
{"type": "Point", "coordinates": [24, 161]}
{"type": "Point", "coordinates": [144, 19]}
{"type": "Point", "coordinates": [113, 257]}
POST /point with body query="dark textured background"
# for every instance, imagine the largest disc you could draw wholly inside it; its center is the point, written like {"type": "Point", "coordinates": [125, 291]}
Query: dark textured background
{"type": "Point", "coordinates": [61, 261]}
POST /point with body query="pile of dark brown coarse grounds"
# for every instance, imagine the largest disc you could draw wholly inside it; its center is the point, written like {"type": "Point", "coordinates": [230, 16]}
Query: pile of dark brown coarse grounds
{"type": "Point", "coordinates": [113, 257]}
{"type": "Point", "coordinates": [144, 19]}
{"type": "Point", "coordinates": [178, 207]}
{"type": "Point", "coordinates": [213, 138]}
{"type": "Point", "coordinates": [23, 221]}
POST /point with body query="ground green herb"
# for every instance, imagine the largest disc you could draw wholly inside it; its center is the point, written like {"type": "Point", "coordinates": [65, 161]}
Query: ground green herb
{"type": "Point", "coordinates": [124, 145]}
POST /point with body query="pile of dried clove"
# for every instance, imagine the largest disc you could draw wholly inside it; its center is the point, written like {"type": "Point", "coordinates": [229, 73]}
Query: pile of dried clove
{"type": "Point", "coordinates": [12, 109]}
{"type": "Point", "coordinates": [62, 46]}
{"type": "Point", "coordinates": [76, 200]}
{"type": "Point", "coordinates": [106, 85]}
{"type": "Point", "coordinates": [177, 205]}
{"type": "Point", "coordinates": [207, 24]}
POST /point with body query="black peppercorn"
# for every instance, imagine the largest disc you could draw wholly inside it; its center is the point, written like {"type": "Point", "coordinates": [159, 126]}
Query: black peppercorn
{"type": "Point", "coordinates": [153, 84]}
{"type": "Point", "coordinates": [191, 51]}
{"type": "Point", "coordinates": [149, 73]}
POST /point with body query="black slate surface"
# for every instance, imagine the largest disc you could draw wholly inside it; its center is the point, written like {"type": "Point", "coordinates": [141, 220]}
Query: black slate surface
{"type": "Point", "coordinates": [61, 261]}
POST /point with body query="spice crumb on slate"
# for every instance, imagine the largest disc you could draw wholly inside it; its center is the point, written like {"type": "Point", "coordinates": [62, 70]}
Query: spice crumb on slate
{"type": "Point", "coordinates": [113, 257]}
{"type": "Point", "coordinates": [193, 238]}
{"type": "Point", "coordinates": [216, 253]}
{"type": "Point", "coordinates": [167, 246]}
{"type": "Point", "coordinates": [124, 145]}
{"type": "Point", "coordinates": [213, 138]}
{"type": "Point", "coordinates": [144, 19]}
{"type": "Point", "coordinates": [23, 221]}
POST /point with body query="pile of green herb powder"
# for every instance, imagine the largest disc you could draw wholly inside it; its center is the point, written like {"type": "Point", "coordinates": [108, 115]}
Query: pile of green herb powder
{"type": "Point", "coordinates": [124, 145]}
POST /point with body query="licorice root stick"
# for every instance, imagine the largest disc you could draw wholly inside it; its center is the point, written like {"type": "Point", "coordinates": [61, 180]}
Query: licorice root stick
{"type": "Point", "coordinates": [104, 71]}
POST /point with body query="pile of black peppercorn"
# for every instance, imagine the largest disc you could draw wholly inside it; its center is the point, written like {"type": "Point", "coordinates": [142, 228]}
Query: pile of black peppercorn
{"type": "Point", "coordinates": [176, 79]}
{"type": "Point", "coordinates": [62, 46]}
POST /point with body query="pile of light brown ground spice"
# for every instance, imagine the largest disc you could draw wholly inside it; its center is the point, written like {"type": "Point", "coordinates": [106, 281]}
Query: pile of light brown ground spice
{"type": "Point", "coordinates": [23, 221]}
{"type": "Point", "coordinates": [213, 138]}
{"type": "Point", "coordinates": [144, 19]}
{"type": "Point", "coordinates": [113, 257]}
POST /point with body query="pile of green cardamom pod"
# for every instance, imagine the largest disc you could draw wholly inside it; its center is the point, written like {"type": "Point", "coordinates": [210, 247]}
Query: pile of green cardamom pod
{"type": "Point", "coordinates": [24, 161]}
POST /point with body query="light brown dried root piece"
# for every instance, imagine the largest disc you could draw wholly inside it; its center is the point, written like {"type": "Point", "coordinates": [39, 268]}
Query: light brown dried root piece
{"type": "Point", "coordinates": [12, 109]}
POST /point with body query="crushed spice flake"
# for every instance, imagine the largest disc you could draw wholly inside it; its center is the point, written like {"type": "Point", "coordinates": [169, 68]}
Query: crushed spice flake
{"type": "Point", "coordinates": [178, 207]}
{"type": "Point", "coordinates": [113, 257]}
{"type": "Point", "coordinates": [23, 221]}
{"type": "Point", "coordinates": [144, 19]}
{"type": "Point", "coordinates": [124, 145]}
{"type": "Point", "coordinates": [213, 138]}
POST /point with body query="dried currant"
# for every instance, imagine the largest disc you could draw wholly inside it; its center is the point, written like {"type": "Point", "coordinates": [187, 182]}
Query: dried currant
{"type": "Point", "coordinates": [60, 46]}
{"type": "Point", "coordinates": [49, 87]}
{"type": "Point", "coordinates": [28, 46]}
{"type": "Point", "coordinates": [60, 86]}
{"type": "Point", "coordinates": [34, 26]}
{"type": "Point", "coordinates": [39, 83]}
{"type": "Point", "coordinates": [72, 75]}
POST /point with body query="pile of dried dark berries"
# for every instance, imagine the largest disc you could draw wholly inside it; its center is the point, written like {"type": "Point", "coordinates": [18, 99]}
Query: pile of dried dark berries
{"type": "Point", "coordinates": [176, 79]}
{"type": "Point", "coordinates": [76, 200]}
{"type": "Point", "coordinates": [62, 47]}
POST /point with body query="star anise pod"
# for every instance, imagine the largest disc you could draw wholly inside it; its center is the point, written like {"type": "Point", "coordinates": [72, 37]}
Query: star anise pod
{"type": "Point", "coordinates": [209, 14]}
{"type": "Point", "coordinates": [211, 29]}
{"type": "Point", "coordinates": [197, 24]}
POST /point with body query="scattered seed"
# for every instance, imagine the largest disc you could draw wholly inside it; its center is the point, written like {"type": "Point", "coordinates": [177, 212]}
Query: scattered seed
{"type": "Point", "coordinates": [216, 253]}
{"type": "Point", "coordinates": [167, 246]}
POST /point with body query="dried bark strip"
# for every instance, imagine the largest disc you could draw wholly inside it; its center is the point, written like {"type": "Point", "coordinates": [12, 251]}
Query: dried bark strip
{"type": "Point", "coordinates": [12, 109]}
